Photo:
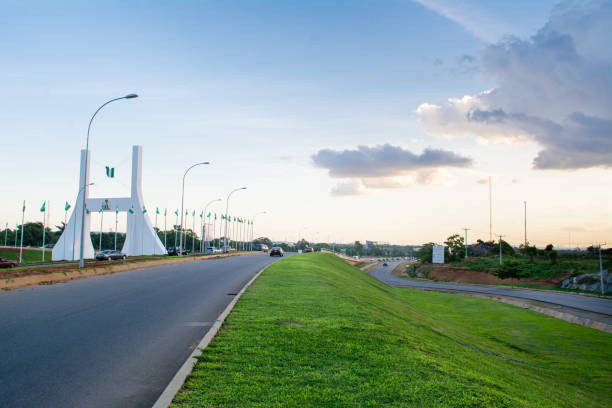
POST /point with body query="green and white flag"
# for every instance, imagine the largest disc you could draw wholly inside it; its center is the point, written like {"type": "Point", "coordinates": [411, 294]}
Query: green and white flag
{"type": "Point", "coordinates": [176, 213]}
{"type": "Point", "coordinates": [144, 210]}
{"type": "Point", "coordinates": [67, 207]}
{"type": "Point", "coordinates": [101, 209]}
{"type": "Point", "coordinates": [116, 210]}
{"type": "Point", "coordinates": [131, 210]}
{"type": "Point", "coordinates": [156, 210]}
{"type": "Point", "coordinates": [23, 208]}
{"type": "Point", "coordinates": [215, 216]}
{"type": "Point", "coordinates": [208, 216]}
{"type": "Point", "coordinates": [110, 172]}
{"type": "Point", "coordinates": [86, 210]}
{"type": "Point", "coordinates": [201, 214]}
{"type": "Point", "coordinates": [42, 209]}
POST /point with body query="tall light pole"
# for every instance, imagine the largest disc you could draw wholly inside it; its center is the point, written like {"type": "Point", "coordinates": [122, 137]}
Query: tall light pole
{"type": "Point", "coordinates": [128, 96]}
{"type": "Point", "coordinates": [226, 211]}
{"type": "Point", "coordinates": [204, 216]}
{"type": "Point", "coordinates": [466, 243]}
{"type": "Point", "coordinates": [180, 252]}
{"type": "Point", "coordinates": [253, 227]}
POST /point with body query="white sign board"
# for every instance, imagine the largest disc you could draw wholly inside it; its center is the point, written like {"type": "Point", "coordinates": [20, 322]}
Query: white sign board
{"type": "Point", "coordinates": [437, 255]}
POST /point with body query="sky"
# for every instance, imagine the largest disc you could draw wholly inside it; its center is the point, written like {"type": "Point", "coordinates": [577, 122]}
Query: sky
{"type": "Point", "coordinates": [346, 120]}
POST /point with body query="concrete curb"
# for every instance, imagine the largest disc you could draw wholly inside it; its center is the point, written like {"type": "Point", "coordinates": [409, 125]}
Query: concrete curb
{"type": "Point", "coordinates": [165, 399]}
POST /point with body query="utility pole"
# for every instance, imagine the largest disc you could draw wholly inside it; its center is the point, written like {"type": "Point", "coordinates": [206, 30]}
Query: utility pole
{"type": "Point", "coordinates": [500, 248]}
{"type": "Point", "coordinates": [601, 270]}
{"type": "Point", "coordinates": [465, 244]}
{"type": "Point", "coordinates": [525, 202]}
{"type": "Point", "coordinates": [490, 212]}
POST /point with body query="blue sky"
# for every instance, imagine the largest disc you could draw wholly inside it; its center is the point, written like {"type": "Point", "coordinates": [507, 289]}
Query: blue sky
{"type": "Point", "coordinates": [260, 87]}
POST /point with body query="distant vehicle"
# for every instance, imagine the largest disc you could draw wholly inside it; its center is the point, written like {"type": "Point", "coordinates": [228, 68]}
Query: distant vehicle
{"type": "Point", "coordinates": [385, 264]}
{"type": "Point", "coordinates": [260, 247]}
{"type": "Point", "coordinates": [49, 245]}
{"type": "Point", "coordinates": [212, 250]}
{"type": "Point", "coordinates": [174, 251]}
{"type": "Point", "coordinates": [227, 249]}
{"type": "Point", "coordinates": [110, 255]}
{"type": "Point", "coordinates": [277, 251]}
{"type": "Point", "coordinates": [7, 263]}
{"type": "Point", "coordinates": [309, 249]}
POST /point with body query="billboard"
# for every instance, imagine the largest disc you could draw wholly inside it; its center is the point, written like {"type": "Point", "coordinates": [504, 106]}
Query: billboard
{"type": "Point", "coordinates": [437, 255]}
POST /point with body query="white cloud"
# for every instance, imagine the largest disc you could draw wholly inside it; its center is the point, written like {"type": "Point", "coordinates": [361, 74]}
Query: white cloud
{"type": "Point", "coordinates": [554, 89]}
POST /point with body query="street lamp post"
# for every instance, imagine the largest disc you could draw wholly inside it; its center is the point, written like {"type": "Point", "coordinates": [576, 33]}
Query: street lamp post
{"type": "Point", "coordinates": [253, 228]}
{"type": "Point", "coordinates": [180, 252]}
{"type": "Point", "coordinates": [128, 96]}
{"type": "Point", "coordinates": [204, 216]}
{"type": "Point", "coordinates": [226, 211]}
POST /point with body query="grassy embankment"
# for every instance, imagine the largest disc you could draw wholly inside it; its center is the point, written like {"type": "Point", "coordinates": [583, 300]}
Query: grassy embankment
{"type": "Point", "coordinates": [30, 256]}
{"type": "Point", "coordinates": [314, 331]}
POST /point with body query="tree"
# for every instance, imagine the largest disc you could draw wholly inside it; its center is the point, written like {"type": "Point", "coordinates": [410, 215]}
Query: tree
{"type": "Point", "coordinates": [530, 251]}
{"type": "Point", "coordinates": [456, 247]}
{"type": "Point", "coordinates": [553, 255]}
{"type": "Point", "coordinates": [263, 240]}
{"type": "Point", "coordinates": [424, 254]}
{"type": "Point", "coordinates": [358, 248]}
{"type": "Point", "coordinates": [549, 247]}
{"type": "Point", "coordinates": [301, 244]}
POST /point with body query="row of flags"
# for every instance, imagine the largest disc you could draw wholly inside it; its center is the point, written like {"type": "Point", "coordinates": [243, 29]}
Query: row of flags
{"type": "Point", "coordinates": [144, 210]}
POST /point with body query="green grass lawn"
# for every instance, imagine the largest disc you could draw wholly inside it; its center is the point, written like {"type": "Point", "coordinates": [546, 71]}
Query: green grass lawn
{"type": "Point", "coordinates": [29, 255]}
{"type": "Point", "coordinates": [313, 331]}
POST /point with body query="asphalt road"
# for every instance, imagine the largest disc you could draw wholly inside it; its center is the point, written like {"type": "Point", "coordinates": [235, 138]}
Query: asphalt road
{"type": "Point", "coordinates": [588, 303]}
{"type": "Point", "coordinates": [114, 340]}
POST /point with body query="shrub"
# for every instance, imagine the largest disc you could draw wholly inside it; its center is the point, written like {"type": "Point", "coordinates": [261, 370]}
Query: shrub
{"type": "Point", "coordinates": [511, 269]}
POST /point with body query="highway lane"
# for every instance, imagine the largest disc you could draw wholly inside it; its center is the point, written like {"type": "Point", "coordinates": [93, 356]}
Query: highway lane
{"type": "Point", "coordinates": [588, 303]}
{"type": "Point", "coordinates": [114, 340]}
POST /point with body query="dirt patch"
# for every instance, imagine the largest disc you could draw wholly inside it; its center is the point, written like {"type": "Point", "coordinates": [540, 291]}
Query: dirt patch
{"type": "Point", "coordinates": [464, 275]}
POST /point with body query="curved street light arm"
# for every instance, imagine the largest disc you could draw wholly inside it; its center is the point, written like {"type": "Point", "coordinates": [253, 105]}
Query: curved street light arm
{"type": "Point", "coordinates": [180, 254]}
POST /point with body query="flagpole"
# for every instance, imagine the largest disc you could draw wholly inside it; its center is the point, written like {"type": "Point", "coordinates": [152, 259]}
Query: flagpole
{"type": "Point", "coordinates": [44, 225]}
{"type": "Point", "coordinates": [16, 227]}
{"type": "Point", "coordinates": [175, 229]}
{"type": "Point", "coordinates": [201, 230]}
{"type": "Point", "coordinates": [101, 219]}
{"type": "Point", "coordinates": [116, 221]}
{"type": "Point", "coordinates": [65, 221]}
{"type": "Point", "coordinates": [21, 244]}
{"type": "Point", "coordinates": [156, 212]}
{"type": "Point", "coordinates": [193, 232]}
{"type": "Point", "coordinates": [165, 227]}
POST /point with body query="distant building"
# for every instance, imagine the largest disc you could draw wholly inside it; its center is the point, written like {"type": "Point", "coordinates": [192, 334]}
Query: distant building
{"type": "Point", "coordinates": [371, 244]}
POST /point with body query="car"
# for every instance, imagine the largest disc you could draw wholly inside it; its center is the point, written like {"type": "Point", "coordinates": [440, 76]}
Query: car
{"type": "Point", "coordinates": [385, 264]}
{"type": "Point", "coordinates": [260, 247]}
{"type": "Point", "coordinates": [174, 251]}
{"type": "Point", "coordinates": [308, 249]}
{"type": "Point", "coordinates": [212, 250]}
{"type": "Point", "coordinates": [49, 245]}
{"type": "Point", "coordinates": [277, 251]}
{"type": "Point", "coordinates": [7, 263]}
{"type": "Point", "coordinates": [110, 255]}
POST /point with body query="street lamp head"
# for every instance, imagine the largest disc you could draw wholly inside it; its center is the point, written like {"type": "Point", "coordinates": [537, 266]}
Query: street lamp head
{"type": "Point", "coordinates": [205, 163]}
{"type": "Point", "coordinates": [130, 96]}
{"type": "Point", "coordinates": [242, 188]}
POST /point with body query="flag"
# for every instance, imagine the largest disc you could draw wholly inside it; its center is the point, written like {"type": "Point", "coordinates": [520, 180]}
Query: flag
{"type": "Point", "coordinates": [165, 209]}
{"type": "Point", "coordinates": [131, 210]}
{"type": "Point", "coordinates": [86, 210]}
{"type": "Point", "coordinates": [156, 210]}
{"type": "Point", "coordinates": [42, 209]}
{"type": "Point", "coordinates": [110, 172]}
{"type": "Point", "coordinates": [215, 216]}
{"type": "Point", "coordinates": [193, 214]}
{"type": "Point", "coordinates": [208, 216]}
{"type": "Point", "coordinates": [101, 209]}
{"type": "Point", "coordinates": [186, 213]}
{"type": "Point", "coordinates": [23, 208]}
{"type": "Point", "coordinates": [67, 207]}
{"type": "Point", "coordinates": [116, 210]}
{"type": "Point", "coordinates": [144, 210]}
{"type": "Point", "coordinates": [176, 212]}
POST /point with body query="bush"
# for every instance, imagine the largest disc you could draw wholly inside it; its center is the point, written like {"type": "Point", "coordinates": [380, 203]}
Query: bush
{"type": "Point", "coordinates": [511, 269]}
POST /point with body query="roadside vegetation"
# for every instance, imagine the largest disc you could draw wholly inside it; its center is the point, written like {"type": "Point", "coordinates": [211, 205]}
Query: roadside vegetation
{"type": "Point", "coordinates": [30, 256]}
{"type": "Point", "coordinates": [530, 262]}
{"type": "Point", "coordinates": [313, 331]}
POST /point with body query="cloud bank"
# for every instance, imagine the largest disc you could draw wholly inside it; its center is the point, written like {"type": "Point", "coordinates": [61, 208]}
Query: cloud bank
{"type": "Point", "coordinates": [385, 166]}
{"type": "Point", "coordinates": [555, 89]}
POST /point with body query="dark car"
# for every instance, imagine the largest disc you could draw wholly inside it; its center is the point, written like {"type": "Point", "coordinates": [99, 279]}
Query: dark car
{"type": "Point", "coordinates": [7, 263]}
{"type": "Point", "coordinates": [385, 264]}
{"type": "Point", "coordinates": [277, 251]}
{"type": "Point", "coordinates": [174, 251]}
{"type": "Point", "coordinates": [309, 249]}
{"type": "Point", "coordinates": [110, 255]}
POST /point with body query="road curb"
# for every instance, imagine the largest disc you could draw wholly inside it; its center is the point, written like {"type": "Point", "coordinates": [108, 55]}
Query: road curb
{"type": "Point", "coordinates": [165, 399]}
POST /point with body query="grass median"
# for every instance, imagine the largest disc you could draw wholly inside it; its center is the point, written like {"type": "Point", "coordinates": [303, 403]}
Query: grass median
{"type": "Point", "coordinates": [315, 331]}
